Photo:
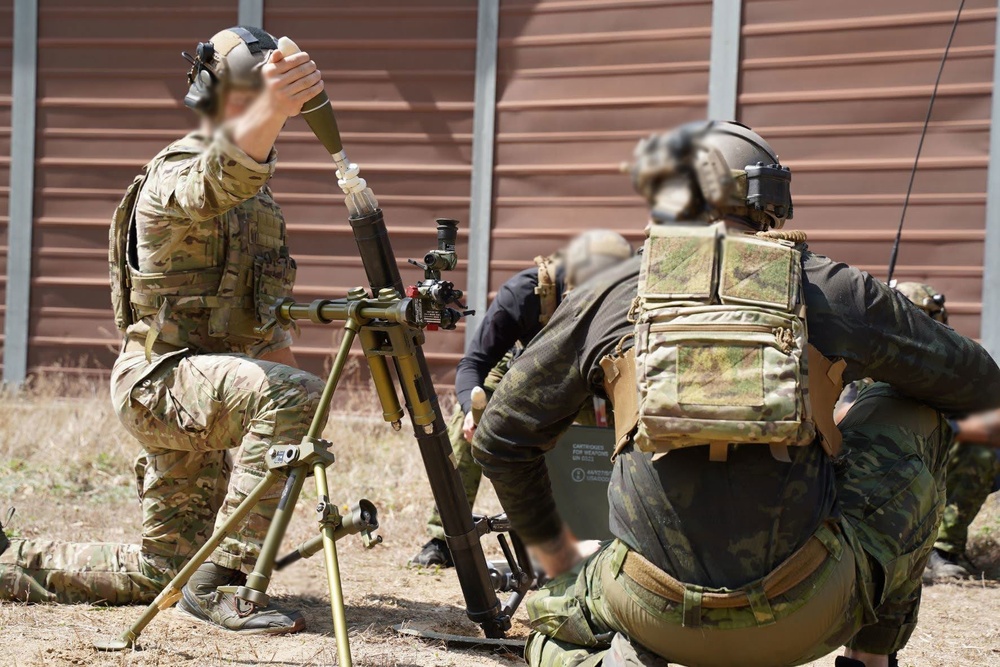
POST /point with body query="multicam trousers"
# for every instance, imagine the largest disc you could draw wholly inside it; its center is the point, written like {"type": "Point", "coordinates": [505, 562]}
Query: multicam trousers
{"type": "Point", "coordinates": [187, 412]}
{"type": "Point", "coordinates": [890, 492]}
{"type": "Point", "coordinates": [971, 475]}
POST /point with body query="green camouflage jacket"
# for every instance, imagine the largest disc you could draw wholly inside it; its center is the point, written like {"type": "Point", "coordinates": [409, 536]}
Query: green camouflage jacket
{"type": "Point", "coordinates": [760, 509]}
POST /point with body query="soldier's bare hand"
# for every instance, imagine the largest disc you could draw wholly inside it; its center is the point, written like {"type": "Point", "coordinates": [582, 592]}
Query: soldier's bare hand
{"type": "Point", "coordinates": [290, 82]}
{"type": "Point", "coordinates": [560, 554]}
{"type": "Point", "coordinates": [469, 426]}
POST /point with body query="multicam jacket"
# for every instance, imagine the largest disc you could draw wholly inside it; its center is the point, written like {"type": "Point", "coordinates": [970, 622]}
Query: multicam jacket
{"type": "Point", "coordinates": [207, 250]}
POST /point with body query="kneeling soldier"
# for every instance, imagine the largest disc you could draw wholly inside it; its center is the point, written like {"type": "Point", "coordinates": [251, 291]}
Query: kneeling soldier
{"type": "Point", "coordinates": [198, 255]}
{"type": "Point", "coordinates": [749, 529]}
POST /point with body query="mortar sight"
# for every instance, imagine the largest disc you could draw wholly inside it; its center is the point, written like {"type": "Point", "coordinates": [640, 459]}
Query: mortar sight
{"type": "Point", "coordinates": [444, 258]}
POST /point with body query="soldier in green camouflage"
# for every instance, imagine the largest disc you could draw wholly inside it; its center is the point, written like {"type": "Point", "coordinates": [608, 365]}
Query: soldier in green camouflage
{"type": "Point", "coordinates": [523, 305]}
{"type": "Point", "coordinates": [972, 474]}
{"type": "Point", "coordinates": [972, 468]}
{"type": "Point", "coordinates": [747, 554]}
{"type": "Point", "coordinates": [204, 382]}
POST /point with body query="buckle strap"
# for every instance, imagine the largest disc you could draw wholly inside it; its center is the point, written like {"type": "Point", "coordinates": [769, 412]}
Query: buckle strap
{"type": "Point", "coordinates": [193, 302]}
{"type": "Point", "coordinates": [134, 344]}
{"type": "Point", "coordinates": [825, 384]}
{"type": "Point", "coordinates": [693, 597]}
{"type": "Point", "coordinates": [620, 387]}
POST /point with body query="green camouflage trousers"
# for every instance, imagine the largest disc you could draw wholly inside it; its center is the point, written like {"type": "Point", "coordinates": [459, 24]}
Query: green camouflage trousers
{"type": "Point", "coordinates": [866, 595]}
{"type": "Point", "coordinates": [971, 471]}
{"type": "Point", "coordinates": [187, 412]}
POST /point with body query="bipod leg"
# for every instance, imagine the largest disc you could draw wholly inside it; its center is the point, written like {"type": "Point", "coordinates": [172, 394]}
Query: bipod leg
{"type": "Point", "coordinates": [312, 453]}
{"type": "Point", "coordinates": [172, 592]}
{"type": "Point", "coordinates": [328, 519]}
{"type": "Point", "coordinates": [255, 590]}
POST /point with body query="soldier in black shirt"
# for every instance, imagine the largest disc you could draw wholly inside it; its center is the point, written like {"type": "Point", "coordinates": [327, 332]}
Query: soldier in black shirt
{"type": "Point", "coordinates": [524, 304]}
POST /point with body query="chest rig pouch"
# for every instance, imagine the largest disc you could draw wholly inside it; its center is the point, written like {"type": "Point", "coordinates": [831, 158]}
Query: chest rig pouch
{"type": "Point", "coordinates": [257, 272]}
{"type": "Point", "coordinates": [253, 270]}
{"type": "Point", "coordinates": [720, 354]}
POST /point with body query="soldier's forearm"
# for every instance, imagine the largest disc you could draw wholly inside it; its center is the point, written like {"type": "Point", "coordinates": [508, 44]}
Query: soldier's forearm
{"type": "Point", "coordinates": [256, 130]}
{"type": "Point", "coordinates": [983, 428]}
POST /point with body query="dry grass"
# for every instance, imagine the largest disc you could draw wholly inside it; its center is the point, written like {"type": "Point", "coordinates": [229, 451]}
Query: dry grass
{"type": "Point", "coordinates": [67, 465]}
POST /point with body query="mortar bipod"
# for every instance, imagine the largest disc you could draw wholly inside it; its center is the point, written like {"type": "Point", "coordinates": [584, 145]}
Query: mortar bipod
{"type": "Point", "coordinates": [516, 574]}
{"type": "Point", "coordinates": [312, 455]}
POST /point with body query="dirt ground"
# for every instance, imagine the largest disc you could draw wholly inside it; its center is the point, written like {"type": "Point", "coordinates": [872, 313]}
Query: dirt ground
{"type": "Point", "coordinates": [65, 464]}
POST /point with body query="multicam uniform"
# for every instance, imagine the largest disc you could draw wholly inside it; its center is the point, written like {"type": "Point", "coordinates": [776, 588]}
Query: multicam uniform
{"type": "Point", "coordinates": [775, 562]}
{"type": "Point", "coordinates": [972, 470]}
{"type": "Point", "coordinates": [207, 256]}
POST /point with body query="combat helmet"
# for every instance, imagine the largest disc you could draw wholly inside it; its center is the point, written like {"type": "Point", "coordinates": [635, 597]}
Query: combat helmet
{"type": "Point", "coordinates": [924, 297]}
{"type": "Point", "coordinates": [709, 170]}
{"type": "Point", "coordinates": [232, 59]}
{"type": "Point", "coordinates": [592, 252]}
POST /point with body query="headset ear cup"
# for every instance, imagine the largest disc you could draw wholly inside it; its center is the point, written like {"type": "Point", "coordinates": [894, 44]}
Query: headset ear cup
{"type": "Point", "coordinates": [210, 98]}
{"type": "Point", "coordinates": [201, 94]}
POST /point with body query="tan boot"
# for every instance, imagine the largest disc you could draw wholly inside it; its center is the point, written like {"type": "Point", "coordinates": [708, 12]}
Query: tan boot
{"type": "Point", "coordinates": [943, 567]}
{"type": "Point", "coordinates": [209, 596]}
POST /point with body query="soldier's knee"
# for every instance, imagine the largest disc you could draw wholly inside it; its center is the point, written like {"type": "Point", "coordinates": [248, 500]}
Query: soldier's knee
{"type": "Point", "coordinates": [290, 388]}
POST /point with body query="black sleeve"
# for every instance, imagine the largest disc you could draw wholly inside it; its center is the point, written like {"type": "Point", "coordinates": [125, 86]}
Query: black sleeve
{"type": "Point", "coordinates": [502, 326]}
{"type": "Point", "coordinates": [881, 335]}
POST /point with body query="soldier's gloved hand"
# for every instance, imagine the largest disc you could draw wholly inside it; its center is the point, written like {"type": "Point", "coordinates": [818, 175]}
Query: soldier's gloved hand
{"type": "Point", "coordinates": [468, 426]}
{"type": "Point", "coordinates": [290, 82]}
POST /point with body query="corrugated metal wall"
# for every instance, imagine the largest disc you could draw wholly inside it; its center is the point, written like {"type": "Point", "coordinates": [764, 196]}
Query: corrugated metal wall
{"type": "Point", "coordinates": [579, 83]}
{"type": "Point", "coordinates": [110, 81]}
{"type": "Point", "coordinates": [6, 45]}
{"type": "Point", "coordinates": [401, 77]}
{"type": "Point", "coordinates": [841, 90]}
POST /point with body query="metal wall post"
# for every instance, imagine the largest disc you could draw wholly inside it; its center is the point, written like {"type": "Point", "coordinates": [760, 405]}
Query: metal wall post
{"type": "Point", "coordinates": [251, 13]}
{"type": "Point", "coordinates": [22, 191]}
{"type": "Point", "coordinates": [990, 323]}
{"type": "Point", "coordinates": [483, 137]}
{"type": "Point", "coordinates": [724, 64]}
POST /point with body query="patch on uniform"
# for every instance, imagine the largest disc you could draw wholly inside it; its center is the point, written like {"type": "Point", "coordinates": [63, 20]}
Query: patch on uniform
{"type": "Point", "coordinates": [701, 369]}
{"type": "Point", "coordinates": [681, 266]}
{"type": "Point", "coordinates": [758, 273]}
